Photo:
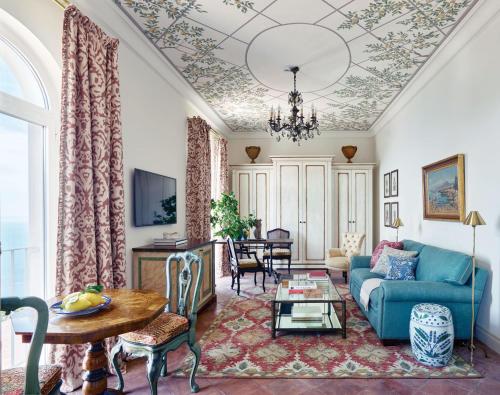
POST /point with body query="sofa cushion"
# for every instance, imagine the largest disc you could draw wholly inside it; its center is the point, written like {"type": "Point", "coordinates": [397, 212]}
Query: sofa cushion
{"type": "Point", "coordinates": [383, 262]}
{"type": "Point", "coordinates": [380, 247]}
{"type": "Point", "coordinates": [438, 264]}
{"type": "Point", "coordinates": [358, 276]}
{"type": "Point", "coordinates": [401, 268]}
{"type": "Point", "coordinates": [410, 245]}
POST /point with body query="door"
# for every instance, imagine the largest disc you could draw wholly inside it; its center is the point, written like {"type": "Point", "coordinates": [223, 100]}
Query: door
{"type": "Point", "coordinates": [289, 203]}
{"type": "Point", "coordinates": [359, 201]}
{"type": "Point", "coordinates": [261, 198]}
{"type": "Point", "coordinates": [314, 213]}
{"type": "Point", "coordinates": [342, 204]}
{"type": "Point", "coordinates": [242, 186]}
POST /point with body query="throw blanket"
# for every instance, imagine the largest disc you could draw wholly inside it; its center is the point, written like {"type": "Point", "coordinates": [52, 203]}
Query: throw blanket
{"type": "Point", "coordinates": [366, 289]}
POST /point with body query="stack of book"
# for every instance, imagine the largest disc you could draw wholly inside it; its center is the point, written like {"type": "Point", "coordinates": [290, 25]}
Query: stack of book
{"type": "Point", "coordinates": [317, 275]}
{"type": "Point", "coordinates": [298, 287]}
{"type": "Point", "coordinates": [169, 242]}
{"type": "Point", "coordinates": [307, 313]}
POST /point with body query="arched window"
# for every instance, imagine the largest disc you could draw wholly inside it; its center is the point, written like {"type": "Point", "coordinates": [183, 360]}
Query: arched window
{"type": "Point", "coordinates": [27, 123]}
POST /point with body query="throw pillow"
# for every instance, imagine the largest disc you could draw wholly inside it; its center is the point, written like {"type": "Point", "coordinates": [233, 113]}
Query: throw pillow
{"type": "Point", "coordinates": [398, 245]}
{"type": "Point", "coordinates": [383, 262]}
{"type": "Point", "coordinates": [401, 268]}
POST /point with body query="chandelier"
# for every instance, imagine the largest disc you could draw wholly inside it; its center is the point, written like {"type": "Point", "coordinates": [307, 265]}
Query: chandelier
{"type": "Point", "coordinates": [293, 126]}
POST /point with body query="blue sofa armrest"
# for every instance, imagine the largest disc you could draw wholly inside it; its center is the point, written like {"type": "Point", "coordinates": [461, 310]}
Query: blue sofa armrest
{"type": "Point", "coordinates": [360, 262]}
{"type": "Point", "coordinates": [427, 291]}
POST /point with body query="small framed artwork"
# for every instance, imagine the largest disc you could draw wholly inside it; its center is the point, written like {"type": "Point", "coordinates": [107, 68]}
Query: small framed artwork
{"type": "Point", "coordinates": [444, 189]}
{"type": "Point", "coordinates": [387, 214]}
{"type": "Point", "coordinates": [387, 185]}
{"type": "Point", "coordinates": [394, 212]}
{"type": "Point", "coordinates": [394, 183]}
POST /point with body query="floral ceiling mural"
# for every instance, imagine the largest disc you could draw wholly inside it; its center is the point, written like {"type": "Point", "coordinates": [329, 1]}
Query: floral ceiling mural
{"type": "Point", "coordinates": [355, 56]}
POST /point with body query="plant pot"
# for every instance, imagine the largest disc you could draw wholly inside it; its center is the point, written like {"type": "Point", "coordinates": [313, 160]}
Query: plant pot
{"type": "Point", "coordinates": [252, 152]}
{"type": "Point", "coordinates": [349, 151]}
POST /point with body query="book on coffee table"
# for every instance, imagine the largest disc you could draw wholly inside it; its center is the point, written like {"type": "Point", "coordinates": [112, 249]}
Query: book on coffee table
{"type": "Point", "coordinates": [307, 312]}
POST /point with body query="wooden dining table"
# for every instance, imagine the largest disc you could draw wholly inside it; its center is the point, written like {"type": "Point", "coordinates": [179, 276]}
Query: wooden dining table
{"type": "Point", "coordinates": [129, 310]}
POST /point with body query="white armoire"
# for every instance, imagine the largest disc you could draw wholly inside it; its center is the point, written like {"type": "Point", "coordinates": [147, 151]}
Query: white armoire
{"type": "Point", "coordinates": [312, 197]}
{"type": "Point", "coordinates": [353, 202]}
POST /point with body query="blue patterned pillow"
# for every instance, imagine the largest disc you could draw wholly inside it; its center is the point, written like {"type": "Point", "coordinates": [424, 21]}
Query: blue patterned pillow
{"type": "Point", "coordinates": [401, 268]}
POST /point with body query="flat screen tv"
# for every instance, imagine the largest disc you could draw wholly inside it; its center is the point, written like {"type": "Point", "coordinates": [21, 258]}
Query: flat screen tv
{"type": "Point", "coordinates": [155, 199]}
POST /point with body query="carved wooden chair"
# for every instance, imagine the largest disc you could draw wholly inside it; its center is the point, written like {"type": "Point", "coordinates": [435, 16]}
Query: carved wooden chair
{"type": "Point", "coordinates": [340, 258]}
{"type": "Point", "coordinates": [280, 251]}
{"type": "Point", "coordinates": [240, 266]}
{"type": "Point", "coordinates": [33, 379]}
{"type": "Point", "coordinates": [169, 330]}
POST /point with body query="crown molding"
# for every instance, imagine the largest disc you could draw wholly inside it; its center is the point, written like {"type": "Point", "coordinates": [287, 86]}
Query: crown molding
{"type": "Point", "coordinates": [471, 25]}
{"type": "Point", "coordinates": [111, 19]}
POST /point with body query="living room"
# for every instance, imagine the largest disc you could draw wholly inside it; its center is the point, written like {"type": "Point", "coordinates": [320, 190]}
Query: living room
{"type": "Point", "coordinates": [318, 167]}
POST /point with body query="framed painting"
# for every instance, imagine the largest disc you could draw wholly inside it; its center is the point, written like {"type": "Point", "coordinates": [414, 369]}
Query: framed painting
{"type": "Point", "coordinates": [387, 185]}
{"type": "Point", "coordinates": [387, 214]}
{"type": "Point", "coordinates": [394, 211]}
{"type": "Point", "coordinates": [394, 183]}
{"type": "Point", "coordinates": [444, 189]}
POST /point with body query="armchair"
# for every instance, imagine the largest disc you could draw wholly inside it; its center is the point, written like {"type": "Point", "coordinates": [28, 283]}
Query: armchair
{"type": "Point", "coordinates": [340, 258]}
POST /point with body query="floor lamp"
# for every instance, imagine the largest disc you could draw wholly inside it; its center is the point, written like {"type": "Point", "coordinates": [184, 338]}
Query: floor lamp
{"type": "Point", "coordinates": [397, 224]}
{"type": "Point", "coordinates": [473, 219]}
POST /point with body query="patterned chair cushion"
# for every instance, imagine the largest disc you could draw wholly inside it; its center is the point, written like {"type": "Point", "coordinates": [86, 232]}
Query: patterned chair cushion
{"type": "Point", "coordinates": [13, 379]}
{"type": "Point", "coordinates": [278, 252]}
{"type": "Point", "coordinates": [351, 243]}
{"type": "Point", "coordinates": [161, 330]}
{"type": "Point", "coordinates": [247, 263]}
{"type": "Point", "coordinates": [338, 262]}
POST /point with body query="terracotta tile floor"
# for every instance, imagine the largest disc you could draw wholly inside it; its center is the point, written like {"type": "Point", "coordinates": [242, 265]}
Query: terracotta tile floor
{"type": "Point", "coordinates": [136, 382]}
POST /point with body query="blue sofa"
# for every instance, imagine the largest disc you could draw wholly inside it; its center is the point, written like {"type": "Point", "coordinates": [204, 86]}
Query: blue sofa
{"type": "Point", "coordinates": [442, 276]}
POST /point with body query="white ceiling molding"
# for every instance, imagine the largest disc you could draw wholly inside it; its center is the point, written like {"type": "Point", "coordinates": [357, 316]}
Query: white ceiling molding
{"type": "Point", "coordinates": [471, 25]}
{"type": "Point", "coordinates": [233, 52]}
{"type": "Point", "coordinates": [128, 34]}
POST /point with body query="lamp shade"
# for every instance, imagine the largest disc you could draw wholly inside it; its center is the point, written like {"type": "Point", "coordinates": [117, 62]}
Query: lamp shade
{"type": "Point", "coordinates": [474, 219]}
{"type": "Point", "coordinates": [397, 223]}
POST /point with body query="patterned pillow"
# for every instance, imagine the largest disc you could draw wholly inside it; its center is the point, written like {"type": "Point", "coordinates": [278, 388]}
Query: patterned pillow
{"type": "Point", "coordinates": [401, 268]}
{"type": "Point", "coordinates": [383, 262]}
{"type": "Point", "coordinates": [398, 245]}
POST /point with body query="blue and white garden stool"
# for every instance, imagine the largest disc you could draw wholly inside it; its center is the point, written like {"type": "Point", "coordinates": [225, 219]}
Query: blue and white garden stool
{"type": "Point", "coordinates": [431, 334]}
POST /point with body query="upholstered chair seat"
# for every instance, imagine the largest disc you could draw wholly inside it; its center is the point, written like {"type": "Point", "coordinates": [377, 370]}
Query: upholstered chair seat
{"type": "Point", "coordinates": [340, 258]}
{"type": "Point", "coordinates": [277, 252]}
{"type": "Point", "coordinates": [248, 263]}
{"type": "Point", "coordinates": [13, 379]}
{"type": "Point", "coordinates": [161, 330]}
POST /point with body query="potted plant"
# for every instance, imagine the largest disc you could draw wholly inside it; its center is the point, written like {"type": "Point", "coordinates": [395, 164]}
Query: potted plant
{"type": "Point", "coordinates": [226, 219]}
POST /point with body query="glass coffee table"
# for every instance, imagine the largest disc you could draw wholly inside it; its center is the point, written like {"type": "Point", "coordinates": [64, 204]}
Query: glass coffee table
{"type": "Point", "coordinates": [304, 305]}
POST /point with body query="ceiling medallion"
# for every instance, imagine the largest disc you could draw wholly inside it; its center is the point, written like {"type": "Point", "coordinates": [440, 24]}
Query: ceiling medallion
{"type": "Point", "coordinates": [293, 126]}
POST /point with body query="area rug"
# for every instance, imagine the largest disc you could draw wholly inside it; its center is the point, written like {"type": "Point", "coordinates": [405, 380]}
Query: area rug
{"type": "Point", "coordinates": [238, 344]}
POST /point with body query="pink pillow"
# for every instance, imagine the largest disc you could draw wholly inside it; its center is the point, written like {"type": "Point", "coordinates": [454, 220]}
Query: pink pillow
{"type": "Point", "coordinates": [398, 245]}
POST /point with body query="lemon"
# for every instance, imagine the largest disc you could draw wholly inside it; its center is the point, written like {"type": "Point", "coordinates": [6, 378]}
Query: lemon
{"type": "Point", "coordinates": [93, 298]}
{"type": "Point", "coordinates": [77, 304]}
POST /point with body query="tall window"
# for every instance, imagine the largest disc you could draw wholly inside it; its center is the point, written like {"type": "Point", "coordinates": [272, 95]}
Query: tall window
{"type": "Point", "coordinates": [23, 108]}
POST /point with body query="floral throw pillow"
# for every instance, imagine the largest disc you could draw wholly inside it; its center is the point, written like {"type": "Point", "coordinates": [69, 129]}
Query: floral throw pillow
{"type": "Point", "coordinates": [398, 245]}
{"type": "Point", "coordinates": [383, 262]}
{"type": "Point", "coordinates": [401, 268]}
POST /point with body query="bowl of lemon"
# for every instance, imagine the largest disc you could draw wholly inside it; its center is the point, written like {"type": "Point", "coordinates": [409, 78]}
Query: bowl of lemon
{"type": "Point", "coordinates": [85, 302]}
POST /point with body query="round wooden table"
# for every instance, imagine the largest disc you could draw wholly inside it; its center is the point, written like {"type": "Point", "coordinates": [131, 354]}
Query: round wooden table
{"type": "Point", "coordinates": [129, 310]}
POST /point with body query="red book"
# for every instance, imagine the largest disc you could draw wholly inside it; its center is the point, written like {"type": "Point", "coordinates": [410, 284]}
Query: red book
{"type": "Point", "coordinates": [317, 274]}
{"type": "Point", "coordinates": [295, 291]}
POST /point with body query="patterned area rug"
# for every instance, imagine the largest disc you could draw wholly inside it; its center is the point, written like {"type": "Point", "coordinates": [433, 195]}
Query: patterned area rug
{"type": "Point", "coordinates": [239, 344]}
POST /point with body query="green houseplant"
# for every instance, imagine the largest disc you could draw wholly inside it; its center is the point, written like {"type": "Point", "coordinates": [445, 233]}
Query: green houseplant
{"type": "Point", "coordinates": [226, 219]}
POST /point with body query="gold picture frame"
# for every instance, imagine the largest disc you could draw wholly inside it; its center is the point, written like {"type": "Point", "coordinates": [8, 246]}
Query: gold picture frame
{"type": "Point", "coordinates": [444, 189]}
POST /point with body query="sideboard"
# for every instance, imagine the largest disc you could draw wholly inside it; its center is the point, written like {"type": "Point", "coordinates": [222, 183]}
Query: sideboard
{"type": "Point", "coordinates": [149, 271]}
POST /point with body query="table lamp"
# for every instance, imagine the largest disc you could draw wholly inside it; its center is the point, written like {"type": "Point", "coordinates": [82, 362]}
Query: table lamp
{"type": "Point", "coordinates": [473, 219]}
{"type": "Point", "coordinates": [397, 224]}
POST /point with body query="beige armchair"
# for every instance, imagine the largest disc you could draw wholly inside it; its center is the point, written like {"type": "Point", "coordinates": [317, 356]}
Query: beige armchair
{"type": "Point", "coordinates": [340, 258]}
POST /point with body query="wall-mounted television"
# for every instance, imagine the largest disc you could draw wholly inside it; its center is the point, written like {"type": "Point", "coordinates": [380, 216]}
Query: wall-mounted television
{"type": "Point", "coordinates": [155, 199]}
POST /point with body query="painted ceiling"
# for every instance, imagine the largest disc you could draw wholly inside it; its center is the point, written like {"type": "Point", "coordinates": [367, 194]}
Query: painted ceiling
{"type": "Point", "coordinates": [355, 56]}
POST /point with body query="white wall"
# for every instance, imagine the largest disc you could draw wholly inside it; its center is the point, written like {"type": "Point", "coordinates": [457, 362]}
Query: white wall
{"type": "Point", "coordinates": [321, 145]}
{"type": "Point", "coordinates": [457, 111]}
{"type": "Point", "coordinates": [153, 112]}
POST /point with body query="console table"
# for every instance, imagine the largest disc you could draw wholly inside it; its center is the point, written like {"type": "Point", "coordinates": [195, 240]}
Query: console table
{"type": "Point", "coordinates": [148, 269]}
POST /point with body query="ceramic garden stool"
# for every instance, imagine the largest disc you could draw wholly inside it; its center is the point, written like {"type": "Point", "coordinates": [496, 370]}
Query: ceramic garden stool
{"type": "Point", "coordinates": [431, 334]}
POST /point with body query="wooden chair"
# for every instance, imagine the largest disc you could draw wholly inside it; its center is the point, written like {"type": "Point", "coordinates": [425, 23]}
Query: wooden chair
{"type": "Point", "coordinates": [280, 251]}
{"type": "Point", "coordinates": [169, 330]}
{"type": "Point", "coordinates": [33, 379]}
{"type": "Point", "coordinates": [240, 266]}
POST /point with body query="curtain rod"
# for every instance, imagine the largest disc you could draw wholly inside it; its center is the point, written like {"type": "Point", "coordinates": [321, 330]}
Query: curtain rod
{"type": "Point", "coordinates": [62, 3]}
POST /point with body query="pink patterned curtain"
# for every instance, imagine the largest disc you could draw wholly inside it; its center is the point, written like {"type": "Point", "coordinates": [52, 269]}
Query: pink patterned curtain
{"type": "Point", "coordinates": [91, 231]}
{"type": "Point", "coordinates": [198, 186]}
{"type": "Point", "coordinates": [223, 267]}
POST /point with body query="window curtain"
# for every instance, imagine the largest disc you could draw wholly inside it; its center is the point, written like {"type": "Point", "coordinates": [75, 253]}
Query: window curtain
{"type": "Point", "coordinates": [91, 226]}
{"type": "Point", "coordinates": [198, 180]}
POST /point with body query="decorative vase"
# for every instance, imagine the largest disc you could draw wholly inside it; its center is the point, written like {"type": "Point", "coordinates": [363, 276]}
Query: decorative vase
{"type": "Point", "coordinates": [252, 152]}
{"type": "Point", "coordinates": [257, 232]}
{"type": "Point", "coordinates": [349, 151]}
{"type": "Point", "coordinates": [431, 334]}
